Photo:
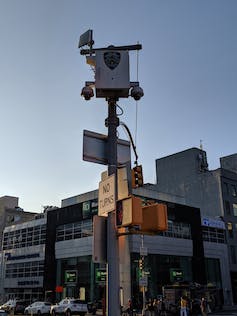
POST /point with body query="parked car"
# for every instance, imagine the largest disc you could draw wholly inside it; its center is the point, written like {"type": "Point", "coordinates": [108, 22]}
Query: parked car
{"type": "Point", "coordinates": [68, 307]}
{"type": "Point", "coordinates": [20, 306]}
{"type": "Point", "coordinates": [9, 305]}
{"type": "Point", "coordinates": [3, 312]}
{"type": "Point", "coordinates": [38, 308]}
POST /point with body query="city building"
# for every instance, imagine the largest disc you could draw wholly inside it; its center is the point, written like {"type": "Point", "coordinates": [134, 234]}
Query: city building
{"type": "Point", "coordinates": [11, 213]}
{"type": "Point", "coordinates": [51, 256]}
{"type": "Point", "coordinates": [213, 191]}
{"type": "Point", "coordinates": [23, 256]}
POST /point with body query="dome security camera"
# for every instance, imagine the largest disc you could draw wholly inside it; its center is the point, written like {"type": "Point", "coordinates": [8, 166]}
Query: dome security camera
{"type": "Point", "coordinates": [87, 92]}
{"type": "Point", "coordinates": [137, 93]}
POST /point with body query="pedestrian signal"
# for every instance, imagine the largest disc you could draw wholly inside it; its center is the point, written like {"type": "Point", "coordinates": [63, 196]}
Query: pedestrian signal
{"type": "Point", "coordinates": [137, 177]}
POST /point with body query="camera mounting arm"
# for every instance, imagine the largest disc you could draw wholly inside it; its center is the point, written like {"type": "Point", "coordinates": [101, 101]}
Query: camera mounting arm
{"type": "Point", "coordinates": [111, 47]}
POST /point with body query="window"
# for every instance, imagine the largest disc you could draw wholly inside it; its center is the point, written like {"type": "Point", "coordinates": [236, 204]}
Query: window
{"type": "Point", "coordinates": [233, 254]}
{"type": "Point", "coordinates": [24, 269]}
{"type": "Point", "coordinates": [227, 207]}
{"type": "Point", "coordinates": [230, 230]}
{"type": "Point", "coordinates": [226, 188]}
{"type": "Point", "coordinates": [233, 190]}
{"type": "Point", "coordinates": [178, 230]}
{"type": "Point", "coordinates": [24, 237]}
{"type": "Point", "coordinates": [235, 209]}
{"type": "Point", "coordinates": [74, 230]}
{"type": "Point", "coordinates": [212, 234]}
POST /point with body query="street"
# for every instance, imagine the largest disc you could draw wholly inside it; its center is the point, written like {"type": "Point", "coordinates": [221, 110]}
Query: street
{"type": "Point", "coordinates": [225, 313]}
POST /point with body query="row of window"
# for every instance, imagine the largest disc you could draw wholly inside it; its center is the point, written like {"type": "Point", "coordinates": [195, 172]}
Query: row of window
{"type": "Point", "coordinates": [211, 234]}
{"type": "Point", "coordinates": [84, 228]}
{"type": "Point", "coordinates": [24, 269]}
{"type": "Point", "coordinates": [175, 230]}
{"type": "Point", "coordinates": [25, 237]}
{"type": "Point", "coordinates": [74, 230]}
{"type": "Point", "coordinates": [178, 230]}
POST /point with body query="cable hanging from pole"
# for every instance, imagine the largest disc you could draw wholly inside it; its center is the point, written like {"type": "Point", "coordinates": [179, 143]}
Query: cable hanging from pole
{"type": "Point", "coordinates": [132, 142]}
{"type": "Point", "coordinates": [136, 101]}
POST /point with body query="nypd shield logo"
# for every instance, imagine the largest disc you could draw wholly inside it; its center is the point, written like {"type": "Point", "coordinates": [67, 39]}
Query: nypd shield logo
{"type": "Point", "coordinates": [112, 59]}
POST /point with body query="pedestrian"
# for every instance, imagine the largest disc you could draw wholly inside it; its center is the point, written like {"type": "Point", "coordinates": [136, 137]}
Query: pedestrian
{"type": "Point", "coordinates": [203, 306]}
{"type": "Point", "coordinates": [156, 307]}
{"type": "Point", "coordinates": [183, 306]}
{"type": "Point", "coordinates": [150, 307]}
{"type": "Point", "coordinates": [129, 309]}
{"type": "Point", "coordinates": [162, 307]}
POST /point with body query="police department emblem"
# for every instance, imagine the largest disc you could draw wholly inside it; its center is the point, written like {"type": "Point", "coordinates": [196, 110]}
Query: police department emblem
{"type": "Point", "coordinates": [112, 59]}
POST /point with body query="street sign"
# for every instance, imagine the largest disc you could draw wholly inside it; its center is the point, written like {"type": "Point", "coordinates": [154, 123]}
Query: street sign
{"type": "Point", "coordinates": [95, 149]}
{"type": "Point", "coordinates": [143, 251]}
{"type": "Point", "coordinates": [107, 196]}
{"type": "Point", "coordinates": [143, 281]}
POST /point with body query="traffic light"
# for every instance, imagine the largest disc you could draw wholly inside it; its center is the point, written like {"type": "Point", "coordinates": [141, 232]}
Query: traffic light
{"type": "Point", "coordinates": [155, 218]}
{"type": "Point", "coordinates": [141, 264]}
{"type": "Point", "coordinates": [129, 212]}
{"type": "Point", "coordinates": [137, 177]}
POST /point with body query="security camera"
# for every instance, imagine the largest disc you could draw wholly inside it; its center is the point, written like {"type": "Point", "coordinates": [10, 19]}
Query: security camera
{"type": "Point", "coordinates": [87, 92]}
{"type": "Point", "coordinates": [137, 93]}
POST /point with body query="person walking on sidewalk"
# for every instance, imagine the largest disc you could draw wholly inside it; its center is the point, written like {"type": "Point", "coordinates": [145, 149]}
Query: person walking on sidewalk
{"type": "Point", "coordinates": [183, 306]}
{"type": "Point", "coordinates": [203, 306]}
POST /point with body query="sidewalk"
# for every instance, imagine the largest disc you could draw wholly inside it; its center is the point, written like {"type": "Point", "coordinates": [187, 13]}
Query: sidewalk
{"type": "Point", "coordinates": [229, 308]}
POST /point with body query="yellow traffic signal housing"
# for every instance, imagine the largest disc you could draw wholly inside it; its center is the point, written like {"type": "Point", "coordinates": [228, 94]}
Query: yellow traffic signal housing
{"type": "Point", "coordinates": [154, 218]}
{"type": "Point", "coordinates": [141, 264]}
{"type": "Point", "coordinates": [129, 212]}
{"type": "Point", "coordinates": [137, 177]}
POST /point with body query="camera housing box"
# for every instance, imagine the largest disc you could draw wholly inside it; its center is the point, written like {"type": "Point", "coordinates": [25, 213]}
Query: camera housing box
{"type": "Point", "coordinates": [112, 74]}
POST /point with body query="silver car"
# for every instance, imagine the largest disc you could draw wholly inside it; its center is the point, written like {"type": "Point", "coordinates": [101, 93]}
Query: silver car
{"type": "Point", "coordinates": [68, 307]}
{"type": "Point", "coordinates": [38, 308]}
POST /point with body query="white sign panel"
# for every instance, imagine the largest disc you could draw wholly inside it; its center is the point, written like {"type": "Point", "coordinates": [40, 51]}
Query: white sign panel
{"type": "Point", "coordinates": [143, 251]}
{"type": "Point", "coordinates": [106, 196]}
{"type": "Point", "coordinates": [143, 281]}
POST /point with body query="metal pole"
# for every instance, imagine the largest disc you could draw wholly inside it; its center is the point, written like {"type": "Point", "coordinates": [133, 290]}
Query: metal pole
{"type": "Point", "coordinates": [143, 288]}
{"type": "Point", "coordinates": [112, 241]}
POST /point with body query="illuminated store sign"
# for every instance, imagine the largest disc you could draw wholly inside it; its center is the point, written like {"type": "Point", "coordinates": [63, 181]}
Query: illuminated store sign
{"type": "Point", "coordinates": [176, 275]}
{"type": "Point", "coordinates": [70, 276]}
{"type": "Point", "coordinates": [211, 222]}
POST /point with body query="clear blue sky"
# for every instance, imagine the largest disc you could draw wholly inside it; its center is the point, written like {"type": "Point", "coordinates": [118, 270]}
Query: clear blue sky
{"type": "Point", "coordinates": [187, 68]}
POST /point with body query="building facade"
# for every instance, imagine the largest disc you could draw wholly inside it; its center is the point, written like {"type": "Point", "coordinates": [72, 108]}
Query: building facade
{"type": "Point", "coordinates": [213, 191]}
{"type": "Point", "coordinates": [10, 214]}
{"type": "Point", "coordinates": [51, 257]}
{"type": "Point", "coordinates": [23, 257]}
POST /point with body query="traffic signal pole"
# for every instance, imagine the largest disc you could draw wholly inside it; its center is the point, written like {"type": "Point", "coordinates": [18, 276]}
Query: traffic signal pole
{"type": "Point", "coordinates": [112, 81]}
{"type": "Point", "coordinates": [113, 303]}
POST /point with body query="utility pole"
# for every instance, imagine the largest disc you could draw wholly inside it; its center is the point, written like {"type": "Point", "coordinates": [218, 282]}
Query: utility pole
{"type": "Point", "coordinates": [112, 240]}
{"type": "Point", "coordinates": [112, 82]}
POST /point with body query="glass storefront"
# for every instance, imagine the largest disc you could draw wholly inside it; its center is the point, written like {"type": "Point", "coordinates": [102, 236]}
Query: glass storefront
{"type": "Point", "coordinates": [165, 270]}
{"type": "Point", "coordinates": [78, 278]}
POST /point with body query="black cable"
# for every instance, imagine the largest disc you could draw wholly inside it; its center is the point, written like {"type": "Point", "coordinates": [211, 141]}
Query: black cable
{"type": "Point", "coordinates": [131, 139]}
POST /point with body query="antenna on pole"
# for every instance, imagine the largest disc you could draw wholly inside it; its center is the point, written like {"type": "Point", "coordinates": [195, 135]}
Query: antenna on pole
{"type": "Point", "coordinates": [201, 146]}
{"type": "Point", "coordinates": [86, 39]}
